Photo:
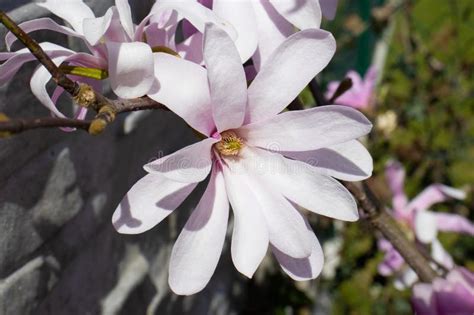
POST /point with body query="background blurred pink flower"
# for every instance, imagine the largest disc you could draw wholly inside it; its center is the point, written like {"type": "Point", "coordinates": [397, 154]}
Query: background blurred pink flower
{"type": "Point", "coordinates": [361, 94]}
{"type": "Point", "coordinates": [421, 223]}
{"type": "Point", "coordinates": [453, 295]}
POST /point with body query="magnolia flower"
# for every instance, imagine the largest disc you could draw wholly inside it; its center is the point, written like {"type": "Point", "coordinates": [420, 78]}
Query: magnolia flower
{"type": "Point", "coordinates": [242, 129]}
{"type": "Point", "coordinates": [453, 295]}
{"type": "Point", "coordinates": [119, 49]}
{"type": "Point", "coordinates": [422, 224]}
{"type": "Point", "coordinates": [360, 95]}
{"type": "Point", "coordinates": [262, 25]}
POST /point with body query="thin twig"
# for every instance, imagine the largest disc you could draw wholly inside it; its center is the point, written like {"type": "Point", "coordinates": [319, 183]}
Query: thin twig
{"type": "Point", "coordinates": [383, 222]}
{"type": "Point", "coordinates": [317, 94]}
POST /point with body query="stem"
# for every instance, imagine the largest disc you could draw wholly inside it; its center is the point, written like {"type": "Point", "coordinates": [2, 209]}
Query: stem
{"type": "Point", "coordinates": [383, 222]}
{"type": "Point", "coordinates": [20, 125]}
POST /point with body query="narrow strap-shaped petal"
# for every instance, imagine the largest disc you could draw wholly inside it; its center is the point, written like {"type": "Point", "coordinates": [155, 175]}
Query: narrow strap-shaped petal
{"type": "Point", "coordinates": [450, 222]}
{"type": "Point", "coordinates": [125, 13]}
{"type": "Point", "coordinates": [183, 88]}
{"type": "Point", "coordinates": [226, 77]}
{"type": "Point", "coordinates": [286, 227]}
{"type": "Point", "coordinates": [328, 7]}
{"type": "Point", "coordinates": [395, 177]}
{"type": "Point", "coordinates": [306, 130]}
{"type": "Point", "coordinates": [148, 202]}
{"type": "Point", "coordinates": [40, 24]}
{"type": "Point", "coordinates": [303, 184]}
{"type": "Point", "coordinates": [288, 70]}
{"type": "Point", "coordinates": [425, 226]}
{"type": "Point", "coordinates": [303, 14]}
{"type": "Point", "coordinates": [250, 233]}
{"type": "Point", "coordinates": [272, 30]}
{"type": "Point", "coordinates": [349, 161]}
{"type": "Point", "coordinates": [131, 69]}
{"type": "Point", "coordinates": [38, 82]}
{"type": "Point", "coordinates": [434, 194]}
{"type": "Point", "coordinates": [189, 165]}
{"type": "Point", "coordinates": [241, 15]}
{"type": "Point", "coordinates": [191, 48]}
{"type": "Point", "coordinates": [95, 28]}
{"type": "Point", "coordinates": [440, 255]}
{"type": "Point", "coordinates": [198, 248]}
{"type": "Point", "coordinates": [301, 269]}
{"type": "Point", "coordinates": [15, 60]}
{"type": "Point", "coordinates": [72, 11]}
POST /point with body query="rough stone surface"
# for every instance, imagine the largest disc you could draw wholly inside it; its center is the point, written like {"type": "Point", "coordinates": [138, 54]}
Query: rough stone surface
{"type": "Point", "coordinates": [59, 253]}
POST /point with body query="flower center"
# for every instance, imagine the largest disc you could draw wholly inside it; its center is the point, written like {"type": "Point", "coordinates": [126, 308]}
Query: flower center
{"type": "Point", "coordinates": [230, 144]}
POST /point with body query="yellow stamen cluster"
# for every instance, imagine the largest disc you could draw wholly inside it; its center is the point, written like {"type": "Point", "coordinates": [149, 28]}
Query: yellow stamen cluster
{"type": "Point", "coordinates": [230, 144]}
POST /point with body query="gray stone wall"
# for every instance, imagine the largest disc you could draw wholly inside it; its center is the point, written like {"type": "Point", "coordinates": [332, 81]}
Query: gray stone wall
{"type": "Point", "coordinates": [59, 253]}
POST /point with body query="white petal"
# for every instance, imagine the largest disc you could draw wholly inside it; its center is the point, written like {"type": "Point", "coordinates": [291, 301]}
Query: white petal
{"type": "Point", "coordinates": [197, 250]}
{"type": "Point", "coordinates": [184, 89]}
{"type": "Point", "coordinates": [241, 15]}
{"type": "Point", "coordinates": [250, 234]}
{"type": "Point", "coordinates": [189, 165]}
{"type": "Point", "coordinates": [227, 83]}
{"type": "Point", "coordinates": [287, 72]}
{"type": "Point", "coordinates": [349, 161]}
{"type": "Point", "coordinates": [426, 228]}
{"type": "Point", "coordinates": [95, 28]}
{"type": "Point", "coordinates": [301, 269]}
{"type": "Point", "coordinates": [131, 68]}
{"type": "Point", "coordinates": [72, 11]}
{"type": "Point", "coordinates": [303, 14]}
{"type": "Point", "coordinates": [125, 14]}
{"type": "Point", "coordinates": [148, 202]}
{"type": "Point", "coordinates": [286, 226]}
{"type": "Point", "coordinates": [272, 30]}
{"type": "Point", "coordinates": [304, 185]}
{"type": "Point", "coordinates": [309, 129]}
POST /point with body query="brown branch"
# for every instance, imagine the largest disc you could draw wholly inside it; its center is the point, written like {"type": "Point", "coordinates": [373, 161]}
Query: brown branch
{"type": "Point", "coordinates": [343, 87]}
{"type": "Point", "coordinates": [317, 94]}
{"type": "Point", "coordinates": [19, 125]}
{"type": "Point", "coordinates": [383, 222]}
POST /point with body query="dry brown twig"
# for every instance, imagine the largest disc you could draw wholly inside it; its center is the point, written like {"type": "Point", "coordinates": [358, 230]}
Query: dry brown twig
{"type": "Point", "coordinates": [82, 94]}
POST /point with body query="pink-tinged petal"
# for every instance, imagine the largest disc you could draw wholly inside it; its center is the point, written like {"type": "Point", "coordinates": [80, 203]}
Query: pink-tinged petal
{"type": "Point", "coordinates": [191, 48]}
{"type": "Point", "coordinates": [306, 130]}
{"type": "Point", "coordinates": [448, 222]}
{"type": "Point", "coordinates": [191, 164]}
{"type": "Point", "coordinates": [303, 184]}
{"type": "Point", "coordinates": [40, 24]}
{"type": "Point", "coordinates": [434, 194]}
{"type": "Point", "coordinates": [303, 14]}
{"type": "Point", "coordinates": [422, 300]}
{"type": "Point", "coordinates": [440, 255]}
{"type": "Point", "coordinates": [286, 227]}
{"type": "Point", "coordinates": [426, 228]}
{"type": "Point", "coordinates": [329, 8]}
{"type": "Point", "coordinates": [395, 176]}
{"type": "Point", "coordinates": [272, 30]}
{"type": "Point", "coordinates": [131, 68]}
{"type": "Point", "coordinates": [241, 15]}
{"type": "Point", "coordinates": [95, 28]}
{"type": "Point", "coordinates": [15, 60]}
{"type": "Point", "coordinates": [349, 161]}
{"type": "Point", "coordinates": [148, 202]}
{"type": "Point", "coordinates": [197, 14]}
{"type": "Point", "coordinates": [38, 82]}
{"type": "Point", "coordinates": [392, 261]}
{"type": "Point", "coordinates": [228, 92]}
{"type": "Point", "coordinates": [197, 250]}
{"type": "Point", "coordinates": [72, 11]}
{"type": "Point", "coordinates": [250, 235]}
{"type": "Point", "coordinates": [288, 70]}
{"type": "Point", "coordinates": [184, 89]}
{"type": "Point", "coordinates": [125, 14]}
{"type": "Point", "coordinates": [301, 269]}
